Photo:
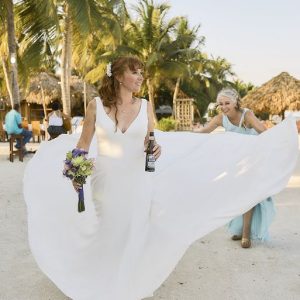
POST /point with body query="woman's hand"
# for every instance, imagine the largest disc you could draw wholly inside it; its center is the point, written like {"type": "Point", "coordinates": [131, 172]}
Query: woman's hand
{"type": "Point", "coordinates": [76, 186]}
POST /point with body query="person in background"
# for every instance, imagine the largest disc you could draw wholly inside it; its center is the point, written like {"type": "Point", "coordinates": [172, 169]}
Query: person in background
{"type": "Point", "coordinates": [76, 120]}
{"type": "Point", "coordinates": [13, 125]}
{"type": "Point", "coordinates": [55, 121]}
{"type": "Point", "coordinates": [254, 224]}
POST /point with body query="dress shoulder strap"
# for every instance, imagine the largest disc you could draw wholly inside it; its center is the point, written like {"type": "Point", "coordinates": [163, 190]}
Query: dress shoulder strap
{"type": "Point", "coordinates": [144, 104]}
{"type": "Point", "coordinates": [99, 108]}
{"type": "Point", "coordinates": [243, 116]}
{"type": "Point", "coordinates": [144, 107]}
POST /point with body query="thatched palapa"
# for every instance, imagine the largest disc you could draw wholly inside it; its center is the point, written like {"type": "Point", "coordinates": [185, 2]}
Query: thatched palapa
{"type": "Point", "coordinates": [50, 85]}
{"type": "Point", "coordinates": [77, 91]}
{"type": "Point", "coordinates": [276, 96]}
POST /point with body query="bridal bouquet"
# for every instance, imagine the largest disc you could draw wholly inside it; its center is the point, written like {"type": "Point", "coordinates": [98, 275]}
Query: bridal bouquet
{"type": "Point", "coordinates": [77, 168]}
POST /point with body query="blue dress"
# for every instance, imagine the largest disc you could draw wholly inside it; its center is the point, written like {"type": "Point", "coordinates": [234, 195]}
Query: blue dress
{"type": "Point", "coordinates": [263, 212]}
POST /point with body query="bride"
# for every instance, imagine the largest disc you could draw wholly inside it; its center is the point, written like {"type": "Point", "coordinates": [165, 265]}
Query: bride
{"type": "Point", "coordinates": [137, 225]}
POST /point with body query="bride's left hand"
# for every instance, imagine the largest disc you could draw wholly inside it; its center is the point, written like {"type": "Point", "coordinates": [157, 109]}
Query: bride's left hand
{"type": "Point", "coordinates": [157, 151]}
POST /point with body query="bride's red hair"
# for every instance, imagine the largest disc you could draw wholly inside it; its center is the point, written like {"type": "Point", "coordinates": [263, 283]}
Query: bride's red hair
{"type": "Point", "coordinates": [110, 85]}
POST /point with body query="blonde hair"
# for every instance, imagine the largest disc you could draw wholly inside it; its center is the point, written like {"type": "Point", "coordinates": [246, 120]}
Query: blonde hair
{"type": "Point", "coordinates": [231, 94]}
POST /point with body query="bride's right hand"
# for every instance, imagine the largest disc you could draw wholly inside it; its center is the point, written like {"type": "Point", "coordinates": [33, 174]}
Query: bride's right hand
{"type": "Point", "coordinates": [76, 186]}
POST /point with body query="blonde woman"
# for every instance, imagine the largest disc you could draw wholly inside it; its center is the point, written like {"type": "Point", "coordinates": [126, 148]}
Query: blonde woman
{"type": "Point", "coordinates": [254, 224]}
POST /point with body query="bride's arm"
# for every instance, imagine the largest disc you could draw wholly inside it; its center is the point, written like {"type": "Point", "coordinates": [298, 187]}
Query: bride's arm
{"type": "Point", "coordinates": [88, 127]}
{"type": "Point", "coordinates": [157, 147]}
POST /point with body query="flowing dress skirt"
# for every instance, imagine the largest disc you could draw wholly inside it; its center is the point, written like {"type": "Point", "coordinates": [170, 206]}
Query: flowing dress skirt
{"type": "Point", "coordinates": [137, 225]}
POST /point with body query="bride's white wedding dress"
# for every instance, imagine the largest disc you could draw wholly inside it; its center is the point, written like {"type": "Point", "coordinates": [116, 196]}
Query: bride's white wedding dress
{"type": "Point", "coordinates": [137, 225]}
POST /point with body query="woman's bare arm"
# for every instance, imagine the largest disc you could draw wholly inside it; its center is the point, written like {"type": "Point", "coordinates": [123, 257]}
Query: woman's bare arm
{"type": "Point", "coordinates": [212, 125]}
{"type": "Point", "coordinates": [252, 122]}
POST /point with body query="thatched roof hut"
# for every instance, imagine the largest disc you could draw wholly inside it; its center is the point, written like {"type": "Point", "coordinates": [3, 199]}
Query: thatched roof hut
{"type": "Point", "coordinates": [274, 97]}
{"type": "Point", "coordinates": [52, 89]}
{"type": "Point", "coordinates": [50, 85]}
{"type": "Point", "coordinates": [77, 91]}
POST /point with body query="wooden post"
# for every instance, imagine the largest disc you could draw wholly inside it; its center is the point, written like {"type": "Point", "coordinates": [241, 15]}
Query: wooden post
{"type": "Point", "coordinates": [43, 102]}
{"type": "Point", "coordinates": [45, 113]}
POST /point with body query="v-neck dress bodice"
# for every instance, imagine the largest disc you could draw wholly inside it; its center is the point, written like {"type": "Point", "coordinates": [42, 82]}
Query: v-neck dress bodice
{"type": "Point", "coordinates": [112, 142]}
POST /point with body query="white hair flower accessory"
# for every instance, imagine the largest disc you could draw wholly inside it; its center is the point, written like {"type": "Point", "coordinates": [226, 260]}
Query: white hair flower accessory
{"type": "Point", "coordinates": [108, 70]}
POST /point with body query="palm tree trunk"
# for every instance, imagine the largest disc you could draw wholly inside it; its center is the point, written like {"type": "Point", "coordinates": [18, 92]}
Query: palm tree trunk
{"type": "Point", "coordinates": [12, 48]}
{"type": "Point", "coordinates": [66, 63]}
{"type": "Point", "coordinates": [175, 95]}
{"type": "Point", "coordinates": [151, 98]}
{"type": "Point", "coordinates": [7, 81]}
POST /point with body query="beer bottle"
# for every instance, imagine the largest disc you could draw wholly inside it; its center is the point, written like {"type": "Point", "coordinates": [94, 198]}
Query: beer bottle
{"type": "Point", "coordinates": [150, 158]}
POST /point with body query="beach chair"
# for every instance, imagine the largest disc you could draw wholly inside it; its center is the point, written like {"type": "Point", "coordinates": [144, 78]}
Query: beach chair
{"type": "Point", "coordinates": [37, 131]}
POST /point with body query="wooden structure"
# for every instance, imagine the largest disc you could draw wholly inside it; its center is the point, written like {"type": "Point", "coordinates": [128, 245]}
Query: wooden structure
{"type": "Point", "coordinates": [184, 114]}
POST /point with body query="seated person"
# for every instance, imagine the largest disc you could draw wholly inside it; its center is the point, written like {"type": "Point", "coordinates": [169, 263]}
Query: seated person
{"type": "Point", "coordinates": [77, 120]}
{"type": "Point", "coordinates": [13, 125]}
{"type": "Point", "coordinates": [55, 121]}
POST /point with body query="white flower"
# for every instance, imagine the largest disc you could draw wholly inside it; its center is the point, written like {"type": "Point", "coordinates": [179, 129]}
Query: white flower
{"type": "Point", "coordinates": [108, 70]}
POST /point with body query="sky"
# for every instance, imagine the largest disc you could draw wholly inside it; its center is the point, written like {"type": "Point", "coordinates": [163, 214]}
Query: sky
{"type": "Point", "coordinates": [260, 38]}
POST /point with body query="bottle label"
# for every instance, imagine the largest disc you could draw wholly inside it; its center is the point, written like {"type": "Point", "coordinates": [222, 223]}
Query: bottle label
{"type": "Point", "coordinates": [150, 162]}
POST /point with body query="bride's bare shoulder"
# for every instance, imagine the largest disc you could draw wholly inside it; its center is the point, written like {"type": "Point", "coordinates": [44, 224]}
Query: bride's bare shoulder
{"type": "Point", "coordinates": [92, 104]}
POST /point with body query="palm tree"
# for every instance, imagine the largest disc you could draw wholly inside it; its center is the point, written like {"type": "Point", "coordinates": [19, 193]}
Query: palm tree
{"type": "Point", "coordinates": [91, 55]}
{"type": "Point", "coordinates": [149, 38]}
{"type": "Point", "coordinates": [8, 31]}
{"type": "Point", "coordinates": [186, 50]}
{"type": "Point", "coordinates": [218, 71]}
{"type": "Point", "coordinates": [4, 53]}
{"type": "Point", "coordinates": [242, 87]}
{"type": "Point", "coordinates": [57, 23]}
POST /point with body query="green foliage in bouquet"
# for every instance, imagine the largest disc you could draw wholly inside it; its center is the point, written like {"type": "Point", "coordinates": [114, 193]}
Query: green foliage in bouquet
{"type": "Point", "coordinates": [79, 167]}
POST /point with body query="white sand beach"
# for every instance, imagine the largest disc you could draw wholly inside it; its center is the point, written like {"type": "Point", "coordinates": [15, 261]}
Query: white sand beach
{"type": "Point", "coordinates": [213, 268]}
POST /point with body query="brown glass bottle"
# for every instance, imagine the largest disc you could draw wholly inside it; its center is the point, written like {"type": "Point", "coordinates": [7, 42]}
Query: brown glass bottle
{"type": "Point", "coordinates": [150, 158]}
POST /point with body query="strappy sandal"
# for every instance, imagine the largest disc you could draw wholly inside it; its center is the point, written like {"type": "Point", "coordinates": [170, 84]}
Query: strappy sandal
{"type": "Point", "coordinates": [246, 243]}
